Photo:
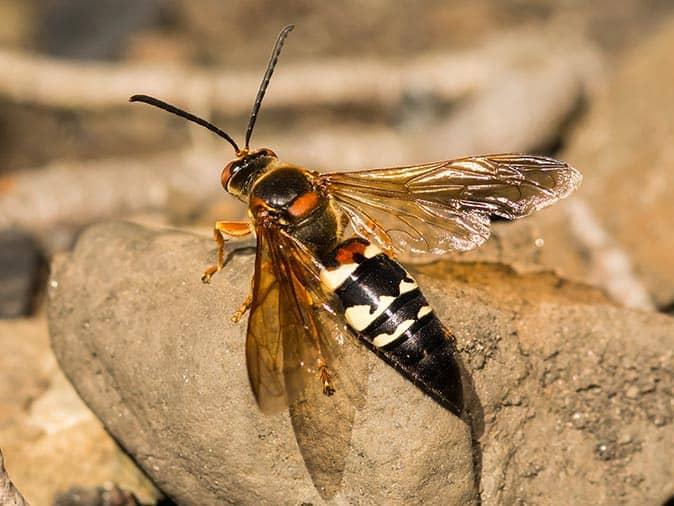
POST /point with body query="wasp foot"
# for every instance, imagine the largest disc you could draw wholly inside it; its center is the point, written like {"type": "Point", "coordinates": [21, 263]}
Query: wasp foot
{"type": "Point", "coordinates": [243, 309]}
{"type": "Point", "coordinates": [326, 380]}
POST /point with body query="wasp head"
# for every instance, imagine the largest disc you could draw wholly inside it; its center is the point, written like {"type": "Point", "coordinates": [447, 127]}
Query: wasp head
{"type": "Point", "coordinates": [239, 174]}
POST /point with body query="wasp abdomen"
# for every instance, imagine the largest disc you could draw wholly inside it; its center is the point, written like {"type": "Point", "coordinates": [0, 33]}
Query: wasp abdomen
{"type": "Point", "coordinates": [384, 305]}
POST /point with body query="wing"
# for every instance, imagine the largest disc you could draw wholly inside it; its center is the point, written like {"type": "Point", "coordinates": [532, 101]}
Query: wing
{"type": "Point", "coordinates": [446, 206]}
{"type": "Point", "coordinates": [300, 353]}
{"type": "Point", "coordinates": [264, 356]}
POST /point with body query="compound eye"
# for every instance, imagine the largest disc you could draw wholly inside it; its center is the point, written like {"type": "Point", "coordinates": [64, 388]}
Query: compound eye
{"type": "Point", "coordinates": [267, 152]}
{"type": "Point", "coordinates": [227, 174]}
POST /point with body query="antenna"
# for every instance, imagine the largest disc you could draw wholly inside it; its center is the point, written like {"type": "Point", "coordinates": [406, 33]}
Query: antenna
{"type": "Point", "coordinates": [265, 80]}
{"type": "Point", "coordinates": [184, 114]}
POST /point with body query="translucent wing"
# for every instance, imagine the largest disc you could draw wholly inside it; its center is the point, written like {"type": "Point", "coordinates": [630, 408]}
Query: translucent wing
{"type": "Point", "coordinates": [314, 317]}
{"type": "Point", "coordinates": [264, 356]}
{"type": "Point", "coordinates": [303, 355]}
{"type": "Point", "coordinates": [446, 206]}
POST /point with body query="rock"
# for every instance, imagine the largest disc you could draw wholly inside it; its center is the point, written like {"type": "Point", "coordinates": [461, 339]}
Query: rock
{"type": "Point", "coordinates": [21, 266]}
{"type": "Point", "coordinates": [623, 148]}
{"type": "Point", "coordinates": [9, 495]}
{"type": "Point", "coordinates": [152, 352]}
{"type": "Point", "coordinates": [551, 362]}
{"type": "Point", "coordinates": [50, 439]}
{"type": "Point", "coordinates": [109, 495]}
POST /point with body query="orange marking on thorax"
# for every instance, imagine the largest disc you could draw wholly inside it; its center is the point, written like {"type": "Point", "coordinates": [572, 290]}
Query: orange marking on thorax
{"type": "Point", "coordinates": [346, 253]}
{"type": "Point", "coordinates": [304, 204]}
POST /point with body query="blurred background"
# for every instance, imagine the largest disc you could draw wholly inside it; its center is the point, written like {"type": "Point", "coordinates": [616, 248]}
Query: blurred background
{"type": "Point", "coordinates": [360, 84]}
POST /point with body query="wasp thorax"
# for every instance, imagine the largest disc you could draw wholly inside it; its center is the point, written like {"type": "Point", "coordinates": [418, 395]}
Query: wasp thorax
{"type": "Point", "coordinates": [286, 192]}
{"type": "Point", "coordinates": [239, 174]}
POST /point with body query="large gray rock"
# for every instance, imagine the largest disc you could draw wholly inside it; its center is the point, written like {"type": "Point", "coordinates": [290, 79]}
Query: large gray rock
{"type": "Point", "coordinates": [152, 351]}
{"type": "Point", "coordinates": [574, 393]}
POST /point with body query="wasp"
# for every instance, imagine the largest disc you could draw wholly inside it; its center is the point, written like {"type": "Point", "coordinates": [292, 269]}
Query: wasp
{"type": "Point", "coordinates": [329, 278]}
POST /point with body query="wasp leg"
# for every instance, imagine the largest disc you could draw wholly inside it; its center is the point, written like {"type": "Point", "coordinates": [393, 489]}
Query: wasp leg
{"type": "Point", "coordinates": [325, 377]}
{"type": "Point", "coordinates": [223, 231]}
{"type": "Point", "coordinates": [243, 309]}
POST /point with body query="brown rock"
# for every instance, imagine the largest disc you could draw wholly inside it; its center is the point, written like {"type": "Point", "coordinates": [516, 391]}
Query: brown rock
{"type": "Point", "coordinates": [51, 441]}
{"type": "Point", "coordinates": [555, 359]}
{"type": "Point", "coordinates": [9, 495]}
{"type": "Point", "coordinates": [151, 350]}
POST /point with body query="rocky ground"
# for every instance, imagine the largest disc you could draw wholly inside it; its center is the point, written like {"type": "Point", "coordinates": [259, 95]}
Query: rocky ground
{"type": "Point", "coordinates": [563, 320]}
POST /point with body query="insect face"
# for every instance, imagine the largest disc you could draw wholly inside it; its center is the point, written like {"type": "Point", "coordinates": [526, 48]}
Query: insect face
{"type": "Point", "coordinates": [239, 174]}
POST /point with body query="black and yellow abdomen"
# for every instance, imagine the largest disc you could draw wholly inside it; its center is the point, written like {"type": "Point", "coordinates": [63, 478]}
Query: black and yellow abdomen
{"type": "Point", "coordinates": [384, 306]}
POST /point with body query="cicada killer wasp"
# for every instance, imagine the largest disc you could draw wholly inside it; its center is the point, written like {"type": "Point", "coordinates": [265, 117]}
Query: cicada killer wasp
{"type": "Point", "coordinates": [328, 277]}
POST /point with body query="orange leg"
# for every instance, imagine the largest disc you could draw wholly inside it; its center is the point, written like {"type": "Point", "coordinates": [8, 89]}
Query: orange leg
{"type": "Point", "coordinates": [245, 306]}
{"type": "Point", "coordinates": [222, 232]}
{"type": "Point", "coordinates": [325, 377]}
